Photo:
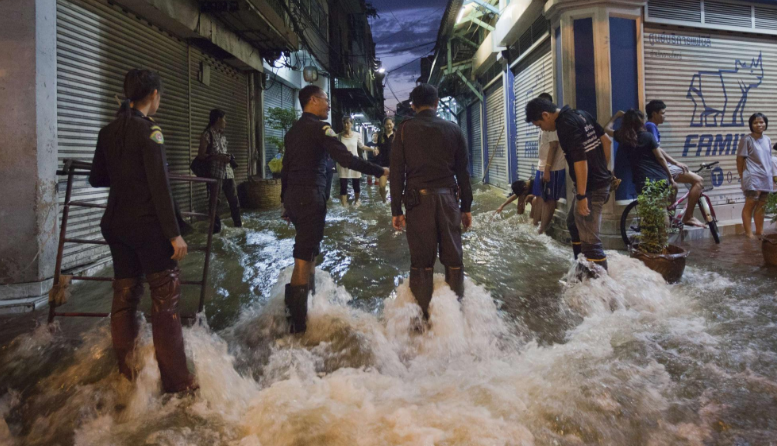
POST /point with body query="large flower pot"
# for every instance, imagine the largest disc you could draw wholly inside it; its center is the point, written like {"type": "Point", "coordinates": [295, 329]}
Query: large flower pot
{"type": "Point", "coordinates": [670, 264]}
{"type": "Point", "coordinates": [769, 248]}
{"type": "Point", "coordinates": [262, 194]}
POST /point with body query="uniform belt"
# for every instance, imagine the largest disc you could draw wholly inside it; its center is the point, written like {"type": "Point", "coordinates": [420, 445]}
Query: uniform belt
{"type": "Point", "coordinates": [440, 191]}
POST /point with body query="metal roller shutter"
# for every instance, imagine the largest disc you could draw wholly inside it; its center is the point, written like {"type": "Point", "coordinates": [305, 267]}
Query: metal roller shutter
{"type": "Point", "coordinates": [96, 45]}
{"type": "Point", "coordinates": [533, 76]}
{"type": "Point", "coordinates": [277, 95]}
{"type": "Point", "coordinates": [462, 118]}
{"type": "Point", "coordinates": [711, 86]}
{"type": "Point", "coordinates": [228, 91]}
{"type": "Point", "coordinates": [497, 137]}
{"type": "Point", "coordinates": [475, 133]}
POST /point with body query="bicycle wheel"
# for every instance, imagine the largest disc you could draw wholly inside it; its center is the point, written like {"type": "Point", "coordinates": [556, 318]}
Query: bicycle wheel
{"type": "Point", "coordinates": [714, 231]}
{"type": "Point", "coordinates": [630, 223]}
{"type": "Point", "coordinates": [713, 225]}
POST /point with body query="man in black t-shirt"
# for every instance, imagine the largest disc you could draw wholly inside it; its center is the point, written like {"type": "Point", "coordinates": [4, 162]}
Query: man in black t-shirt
{"type": "Point", "coordinates": [587, 150]}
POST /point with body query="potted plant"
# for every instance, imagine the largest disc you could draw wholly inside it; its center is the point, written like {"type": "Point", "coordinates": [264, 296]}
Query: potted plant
{"type": "Point", "coordinates": [652, 246]}
{"type": "Point", "coordinates": [266, 193]}
{"type": "Point", "coordinates": [279, 119]}
{"type": "Point", "coordinates": [769, 241]}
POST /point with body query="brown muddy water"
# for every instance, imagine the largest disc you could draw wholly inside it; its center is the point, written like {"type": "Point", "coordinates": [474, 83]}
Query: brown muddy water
{"type": "Point", "coordinates": [528, 358]}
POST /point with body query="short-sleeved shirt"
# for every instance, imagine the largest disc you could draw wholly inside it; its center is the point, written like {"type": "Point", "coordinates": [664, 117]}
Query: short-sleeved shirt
{"type": "Point", "coordinates": [642, 160]}
{"type": "Point", "coordinates": [557, 163]}
{"type": "Point", "coordinates": [579, 135]}
{"type": "Point", "coordinates": [758, 174]}
{"type": "Point", "coordinates": [653, 129]}
{"type": "Point", "coordinates": [353, 143]}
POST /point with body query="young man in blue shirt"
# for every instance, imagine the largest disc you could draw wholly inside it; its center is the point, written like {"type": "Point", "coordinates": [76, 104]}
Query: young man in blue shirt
{"type": "Point", "coordinates": [655, 111]}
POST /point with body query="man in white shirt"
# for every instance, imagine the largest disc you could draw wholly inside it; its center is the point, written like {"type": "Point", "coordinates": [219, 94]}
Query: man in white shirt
{"type": "Point", "coordinates": [552, 166]}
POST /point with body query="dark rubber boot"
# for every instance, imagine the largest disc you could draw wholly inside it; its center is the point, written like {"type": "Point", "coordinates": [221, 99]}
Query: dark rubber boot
{"type": "Point", "coordinates": [167, 332]}
{"type": "Point", "coordinates": [422, 287]}
{"type": "Point", "coordinates": [577, 249]}
{"type": "Point", "coordinates": [124, 322]}
{"type": "Point", "coordinates": [454, 277]}
{"type": "Point", "coordinates": [236, 220]}
{"type": "Point", "coordinates": [217, 225]}
{"type": "Point", "coordinates": [297, 307]}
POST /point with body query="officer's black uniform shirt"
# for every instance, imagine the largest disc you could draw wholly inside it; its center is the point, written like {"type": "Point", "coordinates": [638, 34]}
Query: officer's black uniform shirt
{"type": "Point", "coordinates": [579, 136]}
{"type": "Point", "coordinates": [130, 159]}
{"type": "Point", "coordinates": [307, 143]}
{"type": "Point", "coordinates": [429, 153]}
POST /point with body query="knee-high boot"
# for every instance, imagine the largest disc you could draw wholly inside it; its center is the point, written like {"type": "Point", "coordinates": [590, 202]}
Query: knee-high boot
{"type": "Point", "coordinates": [454, 277]}
{"type": "Point", "coordinates": [422, 287]}
{"type": "Point", "coordinates": [167, 331]}
{"type": "Point", "coordinates": [124, 322]}
{"type": "Point", "coordinates": [296, 300]}
{"type": "Point", "coordinates": [312, 281]}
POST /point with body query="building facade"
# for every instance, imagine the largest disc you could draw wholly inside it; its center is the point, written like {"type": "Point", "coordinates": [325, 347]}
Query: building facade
{"type": "Point", "coordinates": [63, 68]}
{"type": "Point", "coordinates": [710, 61]}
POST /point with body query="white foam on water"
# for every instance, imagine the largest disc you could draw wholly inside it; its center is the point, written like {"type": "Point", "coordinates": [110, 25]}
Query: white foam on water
{"type": "Point", "coordinates": [356, 378]}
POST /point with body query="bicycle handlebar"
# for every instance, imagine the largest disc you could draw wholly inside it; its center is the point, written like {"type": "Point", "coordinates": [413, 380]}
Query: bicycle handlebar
{"type": "Point", "coordinates": [707, 166]}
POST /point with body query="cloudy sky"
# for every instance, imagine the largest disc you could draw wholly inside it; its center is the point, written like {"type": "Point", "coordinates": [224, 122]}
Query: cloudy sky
{"type": "Point", "coordinates": [404, 32]}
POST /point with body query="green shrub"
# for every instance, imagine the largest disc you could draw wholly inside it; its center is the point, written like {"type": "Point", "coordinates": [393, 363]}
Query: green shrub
{"type": "Point", "coordinates": [280, 119]}
{"type": "Point", "coordinates": [771, 207]}
{"type": "Point", "coordinates": [651, 209]}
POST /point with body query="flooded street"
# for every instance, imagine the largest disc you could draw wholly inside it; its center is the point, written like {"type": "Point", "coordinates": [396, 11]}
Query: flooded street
{"type": "Point", "coordinates": [528, 357]}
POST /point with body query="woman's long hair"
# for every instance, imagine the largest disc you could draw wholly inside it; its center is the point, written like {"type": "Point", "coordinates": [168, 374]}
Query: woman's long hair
{"type": "Point", "coordinates": [138, 84]}
{"type": "Point", "coordinates": [214, 116]}
{"type": "Point", "coordinates": [382, 138]}
{"type": "Point", "coordinates": [633, 123]}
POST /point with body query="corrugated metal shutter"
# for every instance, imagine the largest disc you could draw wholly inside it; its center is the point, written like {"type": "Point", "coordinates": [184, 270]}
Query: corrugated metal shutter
{"type": "Point", "coordinates": [96, 45]}
{"type": "Point", "coordinates": [228, 91]}
{"type": "Point", "coordinates": [277, 95]}
{"type": "Point", "coordinates": [497, 137]}
{"type": "Point", "coordinates": [462, 118]}
{"type": "Point", "coordinates": [704, 83]}
{"type": "Point", "coordinates": [475, 140]}
{"type": "Point", "coordinates": [532, 78]}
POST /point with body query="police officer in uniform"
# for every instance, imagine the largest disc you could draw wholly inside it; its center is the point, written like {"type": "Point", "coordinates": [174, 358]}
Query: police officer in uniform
{"type": "Point", "coordinates": [140, 227]}
{"type": "Point", "coordinates": [429, 169]}
{"type": "Point", "coordinates": [303, 179]}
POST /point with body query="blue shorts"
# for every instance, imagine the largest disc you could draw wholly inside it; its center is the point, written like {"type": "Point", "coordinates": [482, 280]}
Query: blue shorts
{"type": "Point", "coordinates": [536, 187]}
{"type": "Point", "coordinates": [556, 188]}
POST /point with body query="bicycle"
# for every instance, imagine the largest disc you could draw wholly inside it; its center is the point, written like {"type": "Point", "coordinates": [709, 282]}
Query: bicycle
{"type": "Point", "coordinates": [630, 219]}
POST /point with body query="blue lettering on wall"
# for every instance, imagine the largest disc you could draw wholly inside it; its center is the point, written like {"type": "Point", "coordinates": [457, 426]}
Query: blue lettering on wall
{"type": "Point", "coordinates": [711, 145]}
{"type": "Point", "coordinates": [717, 177]}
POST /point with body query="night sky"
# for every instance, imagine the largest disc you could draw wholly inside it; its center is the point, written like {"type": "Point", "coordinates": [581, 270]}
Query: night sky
{"type": "Point", "coordinates": [403, 24]}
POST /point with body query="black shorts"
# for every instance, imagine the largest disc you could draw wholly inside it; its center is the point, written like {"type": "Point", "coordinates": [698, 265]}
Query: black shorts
{"type": "Point", "coordinates": [306, 208]}
{"type": "Point", "coordinates": [139, 250]}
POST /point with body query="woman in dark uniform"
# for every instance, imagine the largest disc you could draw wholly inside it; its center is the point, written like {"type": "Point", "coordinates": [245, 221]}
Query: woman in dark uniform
{"type": "Point", "coordinates": [385, 140]}
{"type": "Point", "coordinates": [140, 227]}
{"type": "Point", "coordinates": [213, 149]}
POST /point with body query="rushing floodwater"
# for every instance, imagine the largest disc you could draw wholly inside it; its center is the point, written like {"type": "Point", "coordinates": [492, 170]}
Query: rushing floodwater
{"type": "Point", "coordinates": [527, 358]}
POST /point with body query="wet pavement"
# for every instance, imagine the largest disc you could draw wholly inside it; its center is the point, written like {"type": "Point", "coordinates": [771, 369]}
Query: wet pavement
{"type": "Point", "coordinates": [529, 357]}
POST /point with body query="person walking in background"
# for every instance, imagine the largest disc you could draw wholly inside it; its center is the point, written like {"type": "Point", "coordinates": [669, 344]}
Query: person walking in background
{"type": "Point", "coordinates": [353, 142]}
{"type": "Point", "coordinates": [656, 113]}
{"type": "Point", "coordinates": [587, 150]}
{"type": "Point", "coordinates": [754, 164]}
{"type": "Point", "coordinates": [140, 227]}
{"type": "Point", "coordinates": [383, 158]}
{"type": "Point", "coordinates": [552, 176]}
{"type": "Point", "coordinates": [429, 168]}
{"type": "Point", "coordinates": [371, 155]}
{"type": "Point", "coordinates": [213, 150]}
{"type": "Point", "coordinates": [645, 157]}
